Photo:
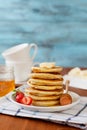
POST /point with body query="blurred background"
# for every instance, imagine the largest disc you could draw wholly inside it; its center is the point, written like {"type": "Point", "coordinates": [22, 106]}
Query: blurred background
{"type": "Point", "coordinates": [58, 27]}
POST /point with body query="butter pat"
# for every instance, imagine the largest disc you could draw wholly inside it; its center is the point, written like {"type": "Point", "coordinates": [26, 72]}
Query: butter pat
{"type": "Point", "coordinates": [47, 65]}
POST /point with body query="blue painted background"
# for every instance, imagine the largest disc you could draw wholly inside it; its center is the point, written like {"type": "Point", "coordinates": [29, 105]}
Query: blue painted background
{"type": "Point", "coordinates": [58, 27]}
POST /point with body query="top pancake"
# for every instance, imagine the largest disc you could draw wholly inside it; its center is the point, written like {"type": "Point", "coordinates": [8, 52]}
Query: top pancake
{"type": "Point", "coordinates": [57, 69]}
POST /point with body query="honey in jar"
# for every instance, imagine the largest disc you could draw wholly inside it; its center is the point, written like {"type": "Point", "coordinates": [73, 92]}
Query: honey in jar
{"type": "Point", "coordinates": [7, 82]}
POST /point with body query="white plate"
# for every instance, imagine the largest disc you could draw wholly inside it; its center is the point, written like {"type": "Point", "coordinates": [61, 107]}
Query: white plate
{"type": "Point", "coordinates": [75, 98]}
{"type": "Point", "coordinates": [76, 82]}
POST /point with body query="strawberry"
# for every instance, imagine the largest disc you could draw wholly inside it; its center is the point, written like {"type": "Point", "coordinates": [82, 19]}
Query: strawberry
{"type": "Point", "coordinates": [21, 98]}
{"type": "Point", "coordinates": [18, 95]}
{"type": "Point", "coordinates": [26, 100]}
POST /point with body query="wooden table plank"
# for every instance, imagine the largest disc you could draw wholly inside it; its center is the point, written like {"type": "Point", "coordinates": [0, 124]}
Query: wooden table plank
{"type": "Point", "coordinates": [17, 123]}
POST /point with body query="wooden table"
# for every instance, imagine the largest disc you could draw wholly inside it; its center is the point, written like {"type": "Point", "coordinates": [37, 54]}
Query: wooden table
{"type": "Point", "coordinates": [16, 123]}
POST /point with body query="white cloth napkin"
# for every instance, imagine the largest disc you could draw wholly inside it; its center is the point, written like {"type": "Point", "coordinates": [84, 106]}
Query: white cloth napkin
{"type": "Point", "coordinates": [76, 116]}
{"type": "Point", "coordinates": [76, 82]}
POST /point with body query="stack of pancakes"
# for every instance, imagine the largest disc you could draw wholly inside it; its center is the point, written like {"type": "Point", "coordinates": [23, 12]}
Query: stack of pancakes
{"type": "Point", "coordinates": [45, 85]}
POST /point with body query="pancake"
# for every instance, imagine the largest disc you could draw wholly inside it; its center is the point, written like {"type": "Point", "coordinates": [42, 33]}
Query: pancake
{"type": "Point", "coordinates": [45, 87]}
{"type": "Point", "coordinates": [43, 92]}
{"type": "Point", "coordinates": [57, 69]}
{"type": "Point", "coordinates": [45, 103]}
{"type": "Point", "coordinates": [46, 82]}
{"type": "Point", "coordinates": [45, 76]}
{"type": "Point", "coordinates": [43, 98]}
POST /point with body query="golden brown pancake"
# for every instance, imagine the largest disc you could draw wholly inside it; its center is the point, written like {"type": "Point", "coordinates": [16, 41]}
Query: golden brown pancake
{"type": "Point", "coordinates": [57, 69]}
{"type": "Point", "coordinates": [45, 76]}
{"type": "Point", "coordinates": [43, 92]}
{"type": "Point", "coordinates": [45, 87]}
{"type": "Point", "coordinates": [45, 103]}
{"type": "Point", "coordinates": [46, 82]}
{"type": "Point", "coordinates": [43, 98]}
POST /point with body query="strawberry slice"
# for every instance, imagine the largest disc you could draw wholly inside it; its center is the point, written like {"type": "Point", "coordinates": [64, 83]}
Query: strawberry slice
{"type": "Point", "coordinates": [26, 100]}
{"type": "Point", "coordinates": [19, 96]}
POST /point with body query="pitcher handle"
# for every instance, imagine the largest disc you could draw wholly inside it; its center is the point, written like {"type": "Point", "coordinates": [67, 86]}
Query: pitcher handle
{"type": "Point", "coordinates": [33, 45]}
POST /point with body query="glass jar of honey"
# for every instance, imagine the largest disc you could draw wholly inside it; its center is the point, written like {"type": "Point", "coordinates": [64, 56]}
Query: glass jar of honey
{"type": "Point", "coordinates": [7, 82]}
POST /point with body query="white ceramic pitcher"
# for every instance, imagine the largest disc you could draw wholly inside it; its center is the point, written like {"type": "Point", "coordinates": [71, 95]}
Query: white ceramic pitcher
{"type": "Point", "coordinates": [19, 57]}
